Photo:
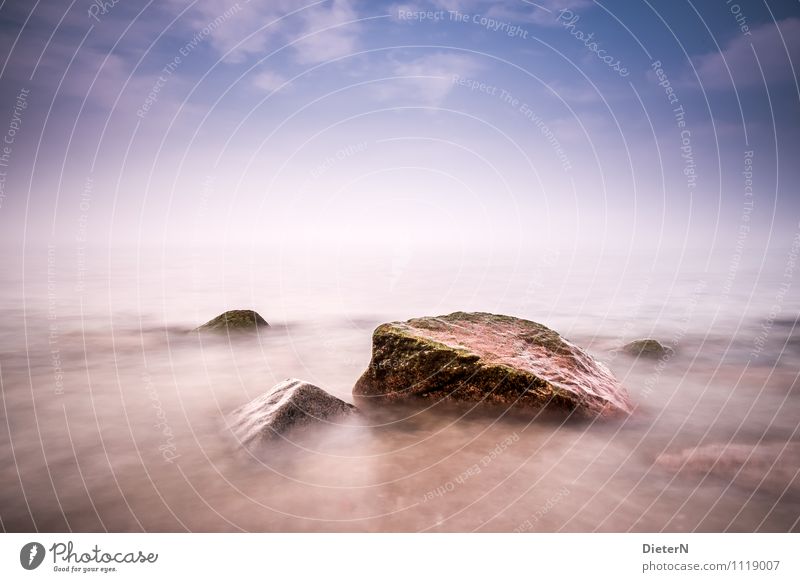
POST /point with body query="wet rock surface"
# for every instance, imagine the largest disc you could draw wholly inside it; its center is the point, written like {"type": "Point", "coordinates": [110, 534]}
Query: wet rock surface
{"type": "Point", "coordinates": [489, 358]}
{"type": "Point", "coordinates": [646, 348]}
{"type": "Point", "coordinates": [287, 406]}
{"type": "Point", "coordinates": [772, 466]}
{"type": "Point", "coordinates": [235, 320]}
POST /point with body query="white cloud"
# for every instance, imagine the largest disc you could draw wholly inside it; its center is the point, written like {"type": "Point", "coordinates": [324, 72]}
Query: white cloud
{"type": "Point", "coordinates": [256, 28]}
{"type": "Point", "coordinates": [269, 81]}
{"type": "Point", "coordinates": [247, 30]}
{"type": "Point", "coordinates": [329, 36]}
{"type": "Point", "coordinates": [539, 11]}
{"type": "Point", "coordinates": [738, 56]}
{"type": "Point", "coordinates": [427, 79]}
{"type": "Point", "coordinates": [535, 11]}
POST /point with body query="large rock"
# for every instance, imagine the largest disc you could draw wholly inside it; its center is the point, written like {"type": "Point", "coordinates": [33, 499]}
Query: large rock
{"type": "Point", "coordinates": [235, 320]}
{"type": "Point", "coordinates": [490, 358]}
{"type": "Point", "coordinates": [773, 465]}
{"type": "Point", "coordinates": [647, 348]}
{"type": "Point", "coordinates": [286, 406]}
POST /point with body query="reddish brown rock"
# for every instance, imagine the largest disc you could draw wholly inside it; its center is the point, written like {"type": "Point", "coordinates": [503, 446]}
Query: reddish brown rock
{"type": "Point", "coordinates": [489, 358]}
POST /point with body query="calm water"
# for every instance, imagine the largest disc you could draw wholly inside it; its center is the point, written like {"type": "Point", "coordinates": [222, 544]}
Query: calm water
{"type": "Point", "coordinates": [113, 416]}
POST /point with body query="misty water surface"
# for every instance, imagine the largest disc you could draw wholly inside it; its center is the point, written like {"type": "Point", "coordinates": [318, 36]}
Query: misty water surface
{"type": "Point", "coordinates": [113, 415]}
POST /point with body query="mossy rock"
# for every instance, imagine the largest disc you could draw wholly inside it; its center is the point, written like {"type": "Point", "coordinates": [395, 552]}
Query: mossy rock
{"type": "Point", "coordinates": [483, 357]}
{"type": "Point", "coordinates": [235, 321]}
{"type": "Point", "coordinates": [647, 348]}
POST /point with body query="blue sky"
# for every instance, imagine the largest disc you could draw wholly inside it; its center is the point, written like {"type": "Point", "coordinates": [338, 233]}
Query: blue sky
{"type": "Point", "coordinates": [353, 122]}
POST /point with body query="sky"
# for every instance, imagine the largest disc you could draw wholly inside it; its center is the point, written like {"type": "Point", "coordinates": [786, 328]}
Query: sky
{"type": "Point", "coordinates": [438, 123]}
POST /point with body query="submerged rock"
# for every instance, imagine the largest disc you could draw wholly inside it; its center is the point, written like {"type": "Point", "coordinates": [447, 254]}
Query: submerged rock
{"type": "Point", "coordinates": [235, 320]}
{"type": "Point", "coordinates": [286, 406]}
{"type": "Point", "coordinates": [490, 358]}
{"type": "Point", "coordinates": [648, 348]}
{"type": "Point", "coordinates": [773, 466]}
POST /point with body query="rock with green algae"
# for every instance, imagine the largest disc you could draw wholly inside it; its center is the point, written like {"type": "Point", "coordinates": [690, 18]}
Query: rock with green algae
{"type": "Point", "coordinates": [235, 320]}
{"type": "Point", "coordinates": [648, 348]}
{"type": "Point", "coordinates": [488, 358]}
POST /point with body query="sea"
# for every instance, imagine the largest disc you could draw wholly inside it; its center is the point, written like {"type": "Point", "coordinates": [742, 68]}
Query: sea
{"type": "Point", "coordinates": [115, 414]}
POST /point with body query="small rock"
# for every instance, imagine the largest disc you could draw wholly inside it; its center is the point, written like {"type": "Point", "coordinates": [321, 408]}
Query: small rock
{"type": "Point", "coordinates": [773, 466]}
{"type": "Point", "coordinates": [235, 320]}
{"type": "Point", "coordinates": [481, 357]}
{"type": "Point", "coordinates": [647, 348]}
{"type": "Point", "coordinates": [286, 406]}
